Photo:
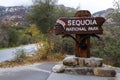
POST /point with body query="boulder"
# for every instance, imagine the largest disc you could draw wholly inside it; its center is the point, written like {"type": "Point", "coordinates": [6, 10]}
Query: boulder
{"type": "Point", "coordinates": [81, 62]}
{"type": "Point", "coordinates": [93, 62]}
{"type": "Point", "coordinates": [79, 70]}
{"type": "Point", "coordinates": [70, 61]}
{"type": "Point", "coordinates": [58, 68]}
{"type": "Point", "coordinates": [104, 72]}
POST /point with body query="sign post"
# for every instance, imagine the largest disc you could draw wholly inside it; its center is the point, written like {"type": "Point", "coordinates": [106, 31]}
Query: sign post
{"type": "Point", "coordinates": [83, 26]}
{"type": "Point", "coordinates": [78, 51]}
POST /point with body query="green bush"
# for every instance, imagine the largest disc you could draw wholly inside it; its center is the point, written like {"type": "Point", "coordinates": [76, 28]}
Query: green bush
{"type": "Point", "coordinates": [61, 45]}
{"type": "Point", "coordinates": [109, 47]}
{"type": "Point", "coordinates": [13, 36]}
{"type": "Point", "coordinates": [53, 45]}
{"type": "Point", "coordinates": [4, 38]}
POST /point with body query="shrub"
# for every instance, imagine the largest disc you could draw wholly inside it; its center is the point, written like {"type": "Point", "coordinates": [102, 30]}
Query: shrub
{"type": "Point", "coordinates": [20, 55]}
{"type": "Point", "coordinates": [56, 57]}
{"type": "Point", "coordinates": [109, 47]}
{"type": "Point", "coordinates": [50, 49]}
{"type": "Point", "coordinates": [13, 36]}
{"type": "Point", "coordinates": [61, 45]}
{"type": "Point", "coordinates": [44, 49]}
{"type": "Point", "coordinates": [4, 38]}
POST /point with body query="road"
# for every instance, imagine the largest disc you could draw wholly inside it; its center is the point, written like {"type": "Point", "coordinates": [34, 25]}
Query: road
{"type": "Point", "coordinates": [8, 54]}
{"type": "Point", "coordinates": [42, 71]}
{"type": "Point", "coordinates": [39, 71]}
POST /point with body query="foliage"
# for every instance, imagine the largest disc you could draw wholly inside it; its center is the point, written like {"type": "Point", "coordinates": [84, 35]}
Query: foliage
{"type": "Point", "coordinates": [61, 45]}
{"type": "Point", "coordinates": [23, 38]}
{"type": "Point", "coordinates": [29, 35]}
{"type": "Point", "coordinates": [116, 4]}
{"type": "Point", "coordinates": [20, 55]}
{"type": "Point", "coordinates": [33, 32]}
{"type": "Point", "coordinates": [54, 46]}
{"type": "Point", "coordinates": [109, 47]}
{"type": "Point", "coordinates": [13, 36]}
{"type": "Point", "coordinates": [56, 57]}
{"type": "Point", "coordinates": [44, 49]}
{"type": "Point", "coordinates": [42, 14]}
{"type": "Point", "coordinates": [4, 38]}
{"type": "Point", "coordinates": [64, 12]}
{"type": "Point", "coordinates": [116, 14]}
{"type": "Point", "coordinates": [45, 12]}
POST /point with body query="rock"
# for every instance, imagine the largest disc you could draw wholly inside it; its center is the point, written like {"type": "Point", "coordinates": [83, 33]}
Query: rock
{"type": "Point", "coordinates": [70, 61]}
{"type": "Point", "coordinates": [58, 68]}
{"type": "Point", "coordinates": [93, 62]}
{"type": "Point", "coordinates": [104, 72]}
{"type": "Point", "coordinates": [81, 62]}
{"type": "Point", "coordinates": [79, 70]}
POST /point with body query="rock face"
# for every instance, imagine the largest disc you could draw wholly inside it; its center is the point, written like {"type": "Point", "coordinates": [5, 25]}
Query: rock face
{"type": "Point", "coordinates": [70, 61]}
{"type": "Point", "coordinates": [84, 66]}
{"type": "Point", "coordinates": [105, 72]}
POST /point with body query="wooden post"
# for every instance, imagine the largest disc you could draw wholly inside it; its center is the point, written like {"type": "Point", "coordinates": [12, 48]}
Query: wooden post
{"type": "Point", "coordinates": [85, 53]}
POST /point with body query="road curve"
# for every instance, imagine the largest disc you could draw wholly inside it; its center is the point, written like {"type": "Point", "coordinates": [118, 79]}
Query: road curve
{"type": "Point", "coordinates": [8, 54]}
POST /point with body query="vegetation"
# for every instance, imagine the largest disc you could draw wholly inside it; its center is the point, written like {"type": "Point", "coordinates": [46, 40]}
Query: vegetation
{"type": "Point", "coordinates": [20, 55]}
{"type": "Point", "coordinates": [41, 19]}
{"type": "Point", "coordinates": [55, 47]}
{"type": "Point", "coordinates": [45, 53]}
{"type": "Point", "coordinates": [42, 14]}
{"type": "Point", "coordinates": [109, 47]}
{"type": "Point", "coordinates": [13, 36]}
{"type": "Point", "coordinates": [45, 12]}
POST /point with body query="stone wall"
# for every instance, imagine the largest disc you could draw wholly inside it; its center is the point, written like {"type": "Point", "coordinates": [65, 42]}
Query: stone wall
{"type": "Point", "coordinates": [84, 66]}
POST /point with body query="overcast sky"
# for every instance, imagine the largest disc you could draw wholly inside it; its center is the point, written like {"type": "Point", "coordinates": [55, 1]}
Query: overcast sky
{"type": "Point", "coordinates": [91, 5]}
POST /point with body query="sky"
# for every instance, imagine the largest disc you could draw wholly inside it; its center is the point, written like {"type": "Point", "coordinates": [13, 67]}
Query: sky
{"type": "Point", "coordinates": [91, 5]}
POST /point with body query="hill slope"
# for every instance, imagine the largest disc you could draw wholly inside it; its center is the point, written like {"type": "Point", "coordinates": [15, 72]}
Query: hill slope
{"type": "Point", "coordinates": [16, 14]}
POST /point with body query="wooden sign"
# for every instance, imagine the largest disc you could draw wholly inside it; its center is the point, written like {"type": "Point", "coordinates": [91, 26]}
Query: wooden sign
{"type": "Point", "coordinates": [79, 25]}
{"type": "Point", "coordinates": [83, 26]}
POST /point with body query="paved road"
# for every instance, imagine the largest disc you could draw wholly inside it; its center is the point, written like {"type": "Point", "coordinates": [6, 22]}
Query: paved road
{"type": "Point", "coordinates": [34, 72]}
{"type": "Point", "coordinates": [55, 76]}
{"type": "Point", "coordinates": [8, 54]}
{"type": "Point", "coordinates": [42, 71]}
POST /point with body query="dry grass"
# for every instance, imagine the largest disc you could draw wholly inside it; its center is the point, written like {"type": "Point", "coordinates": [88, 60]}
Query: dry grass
{"type": "Point", "coordinates": [31, 60]}
{"type": "Point", "coordinates": [44, 54]}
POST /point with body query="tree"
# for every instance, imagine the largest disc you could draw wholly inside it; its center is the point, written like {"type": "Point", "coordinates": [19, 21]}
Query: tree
{"type": "Point", "coordinates": [62, 11]}
{"type": "Point", "coordinates": [4, 38]}
{"type": "Point", "coordinates": [33, 32]}
{"type": "Point", "coordinates": [13, 36]}
{"type": "Point", "coordinates": [45, 12]}
{"type": "Point", "coordinates": [116, 14]}
{"type": "Point", "coordinates": [42, 14]}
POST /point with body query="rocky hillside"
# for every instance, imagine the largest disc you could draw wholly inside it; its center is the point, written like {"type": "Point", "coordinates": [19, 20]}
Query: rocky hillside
{"type": "Point", "coordinates": [106, 14]}
{"type": "Point", "coordinates": [17, 14]}
{"type": "Point", "coordinates": [14, 14]}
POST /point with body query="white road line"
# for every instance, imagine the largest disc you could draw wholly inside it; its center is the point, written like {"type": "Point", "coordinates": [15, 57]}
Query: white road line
{"type": "Point", "coordinates": [40, 70]}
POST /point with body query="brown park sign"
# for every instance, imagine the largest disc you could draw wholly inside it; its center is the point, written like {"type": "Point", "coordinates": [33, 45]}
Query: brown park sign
{"type": "Point", "coordinates": [79, 25]}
